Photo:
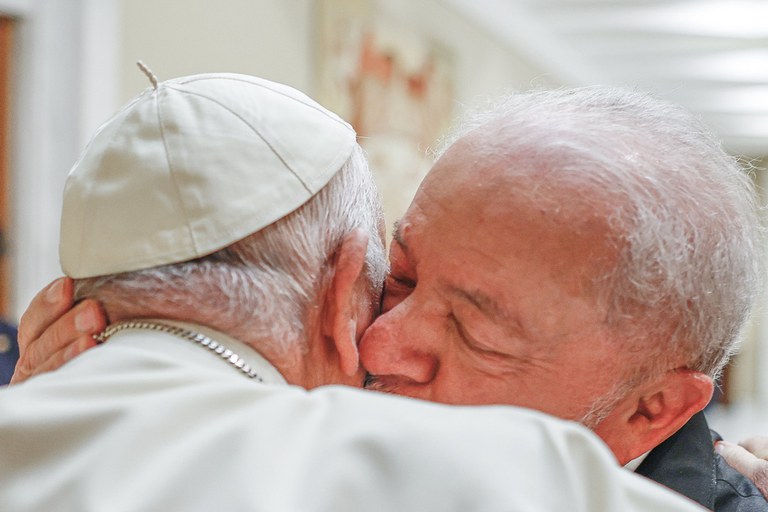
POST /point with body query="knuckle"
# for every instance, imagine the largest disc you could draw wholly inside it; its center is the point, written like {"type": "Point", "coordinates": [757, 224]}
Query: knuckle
{"type": "Point", "coordinates": [23, 370]}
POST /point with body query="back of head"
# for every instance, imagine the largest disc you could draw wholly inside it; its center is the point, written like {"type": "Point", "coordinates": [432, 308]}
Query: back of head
{"type": "Point", "coordinates": [218, 198]}
{"type": "Point", "coordinates": [682, 212]}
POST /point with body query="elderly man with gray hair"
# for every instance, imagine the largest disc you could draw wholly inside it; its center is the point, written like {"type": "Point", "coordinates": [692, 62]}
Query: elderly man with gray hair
{"type": "Point", "coordinates": [591, 253]}
{"type": "Point", "coordinates": [231, 230]}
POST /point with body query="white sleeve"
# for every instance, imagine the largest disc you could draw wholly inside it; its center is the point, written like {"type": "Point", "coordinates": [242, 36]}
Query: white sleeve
{"type": "Point", "coordinates": [390, 454]}
{"type": "Point", "coordinates": [130, 445]}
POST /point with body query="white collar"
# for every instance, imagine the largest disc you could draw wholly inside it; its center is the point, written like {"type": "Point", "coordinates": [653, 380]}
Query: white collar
{"type": "Point", "coordinates": [267, 373]}
{"type": "Point", "coordinates": [635, 463]}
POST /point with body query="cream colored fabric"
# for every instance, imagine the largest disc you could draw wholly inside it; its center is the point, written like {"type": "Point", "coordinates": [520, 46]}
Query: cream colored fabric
{"type": "Point", "coordinates": [151, 422]}
{"type": "Point", "coordinates": [193, 166]}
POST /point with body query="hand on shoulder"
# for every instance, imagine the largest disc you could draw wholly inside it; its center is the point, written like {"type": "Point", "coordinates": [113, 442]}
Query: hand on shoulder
{"type": "Point", "coordinates": [53, 330]}
{"type": "Point", "coordinates": [749, 457]}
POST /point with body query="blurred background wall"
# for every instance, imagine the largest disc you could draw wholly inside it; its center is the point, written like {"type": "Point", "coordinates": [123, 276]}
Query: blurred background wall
{"type": "Point", "coordinates": [401, 70]}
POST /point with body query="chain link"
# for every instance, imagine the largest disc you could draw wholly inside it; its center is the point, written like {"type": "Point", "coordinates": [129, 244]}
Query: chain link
{"type": "Point", "coordinates": [200, 339]}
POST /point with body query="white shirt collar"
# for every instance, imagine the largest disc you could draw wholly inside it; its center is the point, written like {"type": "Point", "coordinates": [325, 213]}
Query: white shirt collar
{"type": "Point", "coordinates": [635, 463]}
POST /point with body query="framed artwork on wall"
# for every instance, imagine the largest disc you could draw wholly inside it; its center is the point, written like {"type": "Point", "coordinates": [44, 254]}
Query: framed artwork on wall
{"type": "Point", "coordinates": [394, 84]}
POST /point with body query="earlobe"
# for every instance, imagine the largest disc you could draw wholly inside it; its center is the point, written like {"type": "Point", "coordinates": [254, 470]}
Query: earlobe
{"type": "Point", "coordinates": [348, 309]}
{"type": "Point", "coordinates": [654, 412]}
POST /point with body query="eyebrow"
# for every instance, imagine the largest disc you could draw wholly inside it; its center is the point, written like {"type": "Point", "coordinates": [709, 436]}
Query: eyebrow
{"type": "Point", "coordinates": [491, 308]}
{"type": "Point", "coordinates": [482, 301]}
{"type": "Point", "coordinates": [397, 234]}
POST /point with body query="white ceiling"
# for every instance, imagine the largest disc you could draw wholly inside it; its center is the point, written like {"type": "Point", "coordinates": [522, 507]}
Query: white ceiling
{"type": "Point", "coordinates": [709, 55]}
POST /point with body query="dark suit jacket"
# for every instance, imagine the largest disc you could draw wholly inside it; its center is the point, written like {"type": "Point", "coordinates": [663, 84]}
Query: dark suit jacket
{"type": "Point", "coordinates": [687, 463]}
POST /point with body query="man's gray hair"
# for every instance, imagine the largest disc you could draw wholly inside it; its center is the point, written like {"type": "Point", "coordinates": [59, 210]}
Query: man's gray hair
{"type": "Point", "coordinates": [682, 212]}
{"type": "Point", "coordinates": [265, 285]}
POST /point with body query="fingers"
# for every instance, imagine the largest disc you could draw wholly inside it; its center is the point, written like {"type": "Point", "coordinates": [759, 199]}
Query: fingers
{"type": "Point", "coordinates": [56, 360]}
{"type": "Point", "coordinates": [754, 468]}
{"type": "Point", "coordinates": [48, 305]}
{"type": "Point", "coordinates": [737, 457]}
{"type": "Point", "coordinates": [68, 335]}
{"type": "Point", "coordinates": [758, 446]}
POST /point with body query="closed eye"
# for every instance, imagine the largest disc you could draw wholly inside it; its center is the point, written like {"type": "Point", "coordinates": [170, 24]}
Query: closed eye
{"type": "Point", "coordinates": [473, 344]}
{"type": "Point", "coordinates": [396, 289]}
{"type": "Point", "coordinates": [401, 282]}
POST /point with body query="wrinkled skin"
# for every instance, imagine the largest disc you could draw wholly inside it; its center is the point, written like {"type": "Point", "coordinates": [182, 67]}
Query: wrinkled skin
{"type": "Point", "coordinates": [491, 301]}
{"type": "Point", "coordinates": [750, 458]}
{"type": "Point", "coordinates": [52, 331]}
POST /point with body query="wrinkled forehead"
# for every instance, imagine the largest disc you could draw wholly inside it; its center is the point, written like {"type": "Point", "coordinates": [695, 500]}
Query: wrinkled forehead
{"type": "Point", "coordinates": [485, 177]}
{"type": "Point", "coordinates": [504, 202]}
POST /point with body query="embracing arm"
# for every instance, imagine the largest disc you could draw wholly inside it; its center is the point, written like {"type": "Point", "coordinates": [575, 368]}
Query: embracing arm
{"type": "Point", "coordinates": [52, 331]}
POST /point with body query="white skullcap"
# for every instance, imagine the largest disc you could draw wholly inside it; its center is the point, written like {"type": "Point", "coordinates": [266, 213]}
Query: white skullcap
{"type": "Point", "coordinates": [192, 166]}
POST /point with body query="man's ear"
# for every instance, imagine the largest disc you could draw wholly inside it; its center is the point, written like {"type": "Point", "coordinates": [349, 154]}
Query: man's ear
{"type": "Point", "coordinates": [655, 411]}
{"type": "Point", "coordinates": [348, 310]}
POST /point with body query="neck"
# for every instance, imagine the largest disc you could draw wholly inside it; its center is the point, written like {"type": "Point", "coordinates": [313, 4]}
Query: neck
{"type": "Point", "coordinates": [280, 355]}
{"type": "Point", "coordinates": [310, 367]}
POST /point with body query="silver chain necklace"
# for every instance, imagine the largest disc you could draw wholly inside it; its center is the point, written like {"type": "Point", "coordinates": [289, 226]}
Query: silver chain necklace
{"type": "Point", "coordinates": [200, 339]}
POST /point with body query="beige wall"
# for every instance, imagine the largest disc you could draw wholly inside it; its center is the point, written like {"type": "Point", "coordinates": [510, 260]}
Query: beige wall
{"type": "Point", "coordinates": [485, 67]}
{"type": "Point", "coordinates": [267, 38]}
{"type": "Point", "coordinates": [276, 39]}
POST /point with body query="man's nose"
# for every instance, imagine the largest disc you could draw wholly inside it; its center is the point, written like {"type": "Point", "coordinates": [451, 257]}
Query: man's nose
{"type": "Point", "coordinates": [391, 348]}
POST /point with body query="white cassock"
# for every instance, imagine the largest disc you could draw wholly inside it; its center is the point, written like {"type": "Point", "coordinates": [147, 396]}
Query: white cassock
{"type": "Point", "coordinates": [153, 422]}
